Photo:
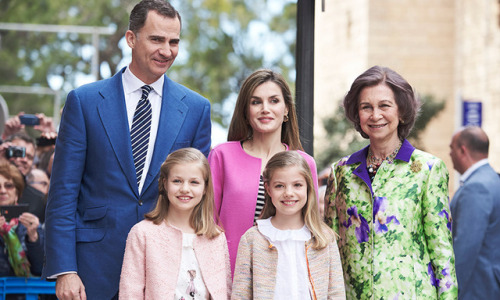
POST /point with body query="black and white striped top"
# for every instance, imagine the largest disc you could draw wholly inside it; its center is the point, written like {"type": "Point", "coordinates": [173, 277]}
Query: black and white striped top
{"type": "Point", "coordinates": [260, 198]}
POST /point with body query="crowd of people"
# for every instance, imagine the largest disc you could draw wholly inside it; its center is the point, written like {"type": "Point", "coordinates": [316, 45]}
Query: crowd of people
{"type": "Point", "coordinates": [24, 185]}
{"type": "Point", "coordinates": [141, 206]}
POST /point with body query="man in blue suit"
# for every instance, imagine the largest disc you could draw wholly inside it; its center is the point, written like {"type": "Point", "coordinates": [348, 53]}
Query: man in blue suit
{"type": "Point", "coordinates": [95, 194]}
{"type": "Point", "coordinates": [475, 211]}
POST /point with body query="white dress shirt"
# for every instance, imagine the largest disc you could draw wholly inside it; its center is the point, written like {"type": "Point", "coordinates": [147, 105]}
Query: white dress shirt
{"type": "Point", "coordinates": [472, 168]}
{"type": "Point", "coordinates": [133, 93]}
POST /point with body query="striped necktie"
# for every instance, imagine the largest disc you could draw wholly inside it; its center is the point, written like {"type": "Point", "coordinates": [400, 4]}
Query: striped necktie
{"type": "Point", "coordinates": [139, 134]}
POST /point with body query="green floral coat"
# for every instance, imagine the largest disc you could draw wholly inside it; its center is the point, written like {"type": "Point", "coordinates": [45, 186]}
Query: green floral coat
{"type": "Point", "coordinates": [395, 233]}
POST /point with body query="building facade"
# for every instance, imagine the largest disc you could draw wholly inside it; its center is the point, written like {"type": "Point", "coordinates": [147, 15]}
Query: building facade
{"type": "Point", "coordinates": [449, 49]}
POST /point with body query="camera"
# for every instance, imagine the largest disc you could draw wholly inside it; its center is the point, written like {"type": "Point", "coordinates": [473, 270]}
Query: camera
{"type": "Point", "coordinates": [43, 141]}
{"type": "Point", "coordinates": [15, 151]}
{"type": "Point", "coordinates": [29, 120]}
{"type": "Point", "coordinates": [13, 211]}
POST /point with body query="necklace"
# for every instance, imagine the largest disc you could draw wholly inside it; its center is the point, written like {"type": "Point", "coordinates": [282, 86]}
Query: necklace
{"type": "Point", "coordinates": [375, 162]}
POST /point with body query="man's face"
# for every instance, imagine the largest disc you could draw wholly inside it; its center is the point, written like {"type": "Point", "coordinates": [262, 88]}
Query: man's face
{"type": "Point", "coordinates": [154, 47]}
{"type": "Point", "coordinates": [456, 154]}
{"type": "Point", "coordinates": [24, 163]}
{"type": "Point", "coordinates": [39, 180]}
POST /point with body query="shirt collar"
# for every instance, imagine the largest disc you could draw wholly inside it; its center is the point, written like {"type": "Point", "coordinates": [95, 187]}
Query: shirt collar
{"type": "Point", "coordinates": [404, 154]}
{"type": "Point", "coordinates": [131, 83]}
{"type": "Point", "coordinates": [473, 168]}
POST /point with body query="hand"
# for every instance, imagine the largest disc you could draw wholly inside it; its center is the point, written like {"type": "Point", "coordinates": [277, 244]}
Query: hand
{"type": "Point", "coordinates": [46, 124]}
{"type": "Point", "coordinates": [3, 221]}
{"type": "Point", "coordinates": [12, 125]}
{"type": "Point", "coordinates": [69, 287]}
{"type": "Point", "coordinates": [31, 222]}
{"type": "Point", "coordinates": [3, 149]}
{"type": "Point", "coordinates": [49, 135]}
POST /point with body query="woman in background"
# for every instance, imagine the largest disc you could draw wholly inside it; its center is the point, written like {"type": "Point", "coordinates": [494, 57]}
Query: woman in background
{"type": "Point", "coordinates": [264, 123]}
{"type": "Point", "coordinates": [21, 240]}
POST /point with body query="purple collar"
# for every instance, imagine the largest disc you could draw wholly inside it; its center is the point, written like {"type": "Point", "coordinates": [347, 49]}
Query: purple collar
{"type": "Point", "coordinates": [360, 156]}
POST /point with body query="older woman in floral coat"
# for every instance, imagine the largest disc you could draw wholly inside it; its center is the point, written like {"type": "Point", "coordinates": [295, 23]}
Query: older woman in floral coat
{"type": "Point", "coordinates": [389, 201]}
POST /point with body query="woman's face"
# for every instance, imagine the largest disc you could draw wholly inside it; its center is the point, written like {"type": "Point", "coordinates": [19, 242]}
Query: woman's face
{"type": "Point", "coordinates": [267, 108]}
{"type": "Point", "coordinates": [8, 192]}
{"type": "Point", "coordinates": [378, 113]}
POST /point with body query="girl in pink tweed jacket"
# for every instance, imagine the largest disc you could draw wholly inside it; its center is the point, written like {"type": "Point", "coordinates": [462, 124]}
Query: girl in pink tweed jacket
{"type": "Point", "coordinates": [178, 252]}
{"type": "Point", "coordinates": [290, 253]}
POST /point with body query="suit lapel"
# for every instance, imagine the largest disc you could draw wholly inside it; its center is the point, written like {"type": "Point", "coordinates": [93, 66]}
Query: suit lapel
{"type": "Point", "coordinates": [113, 114]}
{"type": "Point", "coordinates": [172, 115]}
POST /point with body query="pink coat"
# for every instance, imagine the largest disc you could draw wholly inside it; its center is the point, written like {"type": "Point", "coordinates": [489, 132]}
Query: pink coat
{"type": "Point", "coordinates": [236, 185]}
{"type": "Point", "coordinates": [153, 258]}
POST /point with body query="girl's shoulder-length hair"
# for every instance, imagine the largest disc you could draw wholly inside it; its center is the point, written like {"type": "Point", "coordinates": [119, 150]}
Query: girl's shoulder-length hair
{"type": "Point", "coordinates": [202, 216]}
{"type": "Point", "coordinates": [320, 232]}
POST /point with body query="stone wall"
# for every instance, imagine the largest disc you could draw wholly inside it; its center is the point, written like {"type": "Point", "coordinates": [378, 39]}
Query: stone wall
{"type": "Point", "coordinates": [448, 49]}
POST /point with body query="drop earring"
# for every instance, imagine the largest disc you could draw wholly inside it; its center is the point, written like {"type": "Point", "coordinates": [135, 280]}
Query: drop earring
{"type": "Point", "coordinates": [285, 118]}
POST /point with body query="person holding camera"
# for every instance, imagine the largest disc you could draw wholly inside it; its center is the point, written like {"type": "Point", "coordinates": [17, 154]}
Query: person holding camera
{"type": "Point", "coordinates": [17, 123]}
{"type": "Point", "coordinates": [21, 236]}
{"type": "Point", "coordinates": [45, 143]}
{"type": "Point", "coordinates": [19, 149]}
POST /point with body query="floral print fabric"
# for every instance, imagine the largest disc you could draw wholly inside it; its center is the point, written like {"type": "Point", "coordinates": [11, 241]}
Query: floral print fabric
{"type": "Point", "coordinates": [395, 240]}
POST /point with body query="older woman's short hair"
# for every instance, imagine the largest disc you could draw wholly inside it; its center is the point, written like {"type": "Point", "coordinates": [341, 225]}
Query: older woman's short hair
{"type": "Point", "coordinates": [406, 98]}
{"type": "Point", "coordinates": [9, 171]}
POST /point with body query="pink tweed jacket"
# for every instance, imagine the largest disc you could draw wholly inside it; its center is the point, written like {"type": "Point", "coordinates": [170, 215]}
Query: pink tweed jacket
{"type": "Point", "coordinates": [153, 257]}
{"type": "Point", "coordinates": [235, 177]}
{"type": "Point", "coordinates": [257, 263]}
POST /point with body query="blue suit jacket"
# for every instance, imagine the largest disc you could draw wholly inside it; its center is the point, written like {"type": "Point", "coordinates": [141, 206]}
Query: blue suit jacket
{"type": "Point", "coordinates": [475, 211]}
{"type": "Point", "coordinates": [93, 199]}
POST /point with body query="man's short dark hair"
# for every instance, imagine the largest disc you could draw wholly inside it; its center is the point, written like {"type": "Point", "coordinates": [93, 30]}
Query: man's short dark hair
{"type": "Point", "coordinates": [140, 13]}
{"type": "Point", "coordinates": [21, 136]}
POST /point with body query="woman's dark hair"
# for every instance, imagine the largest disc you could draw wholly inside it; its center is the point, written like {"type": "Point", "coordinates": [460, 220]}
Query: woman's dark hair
{"type": "Point", "coordinates": [406, 98]}
{"type": "Point", "coordinates": [240, 129]}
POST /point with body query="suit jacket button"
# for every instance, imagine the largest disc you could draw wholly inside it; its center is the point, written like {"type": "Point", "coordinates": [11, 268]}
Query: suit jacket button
{"type": "Point", "coordinates": [140, 203]}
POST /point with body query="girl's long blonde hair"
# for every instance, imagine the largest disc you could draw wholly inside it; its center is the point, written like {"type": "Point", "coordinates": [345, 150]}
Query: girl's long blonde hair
{"type": "Point", "coordinates": [310, 212]}
{"type": "Point", "coordinates": [202, 218]}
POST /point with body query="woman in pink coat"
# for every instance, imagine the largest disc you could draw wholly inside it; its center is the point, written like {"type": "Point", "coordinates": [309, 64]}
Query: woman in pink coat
{"type": "Point", "coordinates": [264, 123]}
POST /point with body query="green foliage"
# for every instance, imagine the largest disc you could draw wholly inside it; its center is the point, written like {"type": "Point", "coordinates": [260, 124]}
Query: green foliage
{"type": "Point", "coordinates": [217, 51]}
{"type": "Point", "coordinates": [217, 39]}
{"type": "Point", "coordinates": [35, 57]}
{"type": "Point", "coordinates": [345, 140]}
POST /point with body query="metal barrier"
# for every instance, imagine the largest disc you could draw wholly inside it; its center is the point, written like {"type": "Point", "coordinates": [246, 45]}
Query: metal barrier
{"type": "Point", "coordinates": [31, 287]}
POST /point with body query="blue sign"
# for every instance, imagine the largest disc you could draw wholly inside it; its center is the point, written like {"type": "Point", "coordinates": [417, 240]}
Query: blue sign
{"type": "Point", "coordinates": [472, 113]}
